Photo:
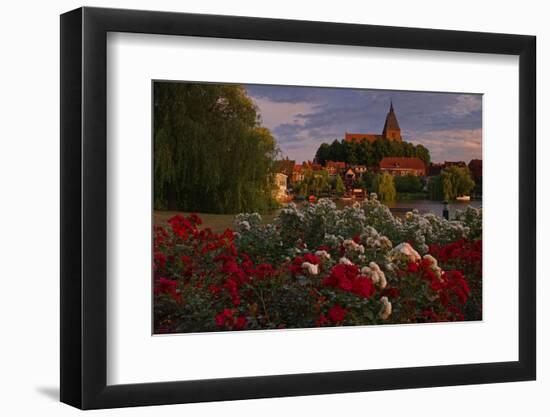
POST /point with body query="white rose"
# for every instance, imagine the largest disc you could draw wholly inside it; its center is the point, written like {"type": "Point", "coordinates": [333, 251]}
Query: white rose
{"type": "Point", "coordinates": [351, 245]}
{"type": "Point", "coordinates": [385, 311]}
{"type": "Point", "coordinates": [310, 268]}
{"type": "Point", "coordinates": [323, 254]}
{"type": "Point", "coordinates": [433, 266]}
{"type": "Point", "coordinates": [348, 243]}
{"type": "Point", "coordinates": [385, 242]}
{"type": "Point", "coordinates": [245, 225]}
{"type": "Point", "coordinates": [377, 275]}
{"type": "Point", "coordinates": [431, 259]}
{"type": "Point", "coordinates": [345, 261]}
{"type": "Point", "coordinates": [404, 251]}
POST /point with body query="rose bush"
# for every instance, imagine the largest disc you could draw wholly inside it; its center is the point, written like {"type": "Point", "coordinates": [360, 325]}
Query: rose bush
{"type": "Point", "coordinates": [465, 256]}
{"type": "Point", "coordinates": [315, 266]}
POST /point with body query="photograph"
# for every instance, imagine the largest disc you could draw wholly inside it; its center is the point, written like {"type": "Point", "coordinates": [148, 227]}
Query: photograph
{"type": "Point", "coordinates": [284, 207]}
{"type": "Point", "coordinates": [264, 209]}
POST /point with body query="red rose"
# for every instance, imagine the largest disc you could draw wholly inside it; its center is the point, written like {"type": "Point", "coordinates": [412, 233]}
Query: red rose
{"type": "Point", "coordinates": [195, 219]}
{"type": "Point", "coordinates": [363, 287]}
{"type": "Point", "coordinates": [224, 317]}
{"type": "Point", "coordinates": [342, 276]}
{"type": "Point", "coordinates": [412, 267]}
{"type": "Point", "coordinates": [321, 321]}
{"type": "Point", "coordinates": [296, 266]}
{"type": "Point", "coordinates": [240, 322]}
{"type": "Point", "coordinates": [337, 313]}
{"type": "Point", "coordinates": [311, 258]}
{"type": "Point", "coordinates": [345, 284]}
{"type": "Point", "coordinates": [213, 289]}
{"type": "Point", "coordinates": [160, 260]}
{"type": "Point", "coordinates": [391, 292]}
{"type": "Point", "coordinates": [220, 319]}
{"type": "Point", "coordinates": [167, 286]}
{"type": "Point", "coordinates": [426, 263]}
{"type": "Point", "coordinates": [264, 270]}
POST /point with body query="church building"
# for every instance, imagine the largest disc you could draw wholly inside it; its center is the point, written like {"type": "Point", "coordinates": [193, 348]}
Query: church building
{"type": "Point", "coordinates": [391, 131]}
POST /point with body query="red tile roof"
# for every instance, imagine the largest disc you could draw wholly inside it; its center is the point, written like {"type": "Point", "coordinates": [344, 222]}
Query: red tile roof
{"type": "Point", "coordinates": [284, 166]}
{"type": "Point", "coordinates": [312, 165]}
{"type": "Point", "coordinates": [402, 162]}
{"type": "Point", "coordinates": [336, 164]}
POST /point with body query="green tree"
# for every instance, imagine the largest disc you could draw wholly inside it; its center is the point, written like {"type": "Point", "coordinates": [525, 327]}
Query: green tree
{"type": "Point", "coordinates": [386, 187]}
{"type": "Point", "coordinates": [323, 154]}
{"type": "Point", "coordinates": [408, 184]}
{"type": "Point", "coordinates": [339, 186]}
{"type": "Point", "coordinates": [422, 153]}
{"type": "Point", "coordinates": [435, 188]}
{"type": "Point", "coordinates": [211, 153]}
{"type": "Point", "coordinates": [456, 181]}
{"type": "Point", "coordinates": [337, 151]}
{"type": "Point", "coordinates": [369, 181]}
{"type": "Point", "coordinates": [314, 183]}
{"type": "Point", "coordinates": [369, 153]}
{"type": "Point", "coordinates": [301, 188]}
{"type": "Point", "coordinates": [452, 182]}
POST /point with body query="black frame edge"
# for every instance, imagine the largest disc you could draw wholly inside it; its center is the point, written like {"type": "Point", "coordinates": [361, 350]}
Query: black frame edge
{"type": "Point", "coordinates": [70, 220]}
{"type": "Point", "coordinates": [528, 207]}
{"type": "Point", "coordinates": [83, 202]}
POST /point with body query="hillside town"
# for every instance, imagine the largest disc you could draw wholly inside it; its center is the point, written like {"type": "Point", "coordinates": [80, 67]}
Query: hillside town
{"type": "Point", "coordinates": [354, 181]}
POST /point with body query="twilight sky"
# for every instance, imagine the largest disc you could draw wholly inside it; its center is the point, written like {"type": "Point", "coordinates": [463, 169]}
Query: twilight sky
{"type": "Point", "coordinates": [301, 118]}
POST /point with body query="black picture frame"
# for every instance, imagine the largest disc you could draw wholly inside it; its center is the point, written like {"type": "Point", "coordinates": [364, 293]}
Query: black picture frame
{"type": "Point", "coordinates": [84, 207]}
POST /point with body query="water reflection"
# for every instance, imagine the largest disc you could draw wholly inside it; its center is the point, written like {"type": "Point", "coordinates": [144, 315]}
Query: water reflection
{"type": "Point", "coordinates": [435, 207]}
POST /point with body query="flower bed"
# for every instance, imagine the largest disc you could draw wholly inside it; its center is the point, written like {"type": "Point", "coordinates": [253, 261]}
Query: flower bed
{"type": "Point", "coordinates": [316, 266]}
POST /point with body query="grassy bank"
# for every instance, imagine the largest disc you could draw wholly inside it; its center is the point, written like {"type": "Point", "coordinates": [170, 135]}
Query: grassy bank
{"type": "Point", "coordinates": [216, 222]}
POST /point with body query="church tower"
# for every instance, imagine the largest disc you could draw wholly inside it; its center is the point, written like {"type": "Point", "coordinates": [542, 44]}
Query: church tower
{"type": "Point", "coordinates": [391, 131]}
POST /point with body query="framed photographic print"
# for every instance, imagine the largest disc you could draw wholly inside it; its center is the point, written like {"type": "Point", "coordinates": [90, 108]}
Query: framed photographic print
{"type": "Point", "coordinates": [294, 207]}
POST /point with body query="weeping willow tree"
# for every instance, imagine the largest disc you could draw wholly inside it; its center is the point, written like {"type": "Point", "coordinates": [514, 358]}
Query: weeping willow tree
{"type": "Point", "coordinates": [452, 182]}
{"type": "Point", "coordinates": [210, 152]}
{"type": "Point", "coordinates": [385, 187]}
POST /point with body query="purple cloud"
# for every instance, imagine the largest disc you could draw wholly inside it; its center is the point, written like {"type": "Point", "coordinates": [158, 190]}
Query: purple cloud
{"type": "Point", "coordinates": [301, 118]}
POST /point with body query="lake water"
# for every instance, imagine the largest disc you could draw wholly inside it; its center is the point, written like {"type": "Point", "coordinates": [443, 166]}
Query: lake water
{"type": "Point", "coordinates": [436, 207]}
{"type": "Point", "coordinates": [423, 206]}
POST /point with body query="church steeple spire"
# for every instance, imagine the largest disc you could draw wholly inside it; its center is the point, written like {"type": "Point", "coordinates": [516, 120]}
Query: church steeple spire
{"type": "Point", "coordinates": [391, 131]}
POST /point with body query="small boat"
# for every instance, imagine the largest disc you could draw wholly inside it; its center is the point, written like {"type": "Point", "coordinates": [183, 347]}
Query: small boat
{"type": "Point", "coordinates": [463, 198]}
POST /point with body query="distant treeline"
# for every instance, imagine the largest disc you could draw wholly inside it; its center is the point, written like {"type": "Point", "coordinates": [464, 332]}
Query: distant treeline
{"type": "Point", "coordinates": [367, 153]}
{"type": "Point", "coordinates": [210, 152]}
